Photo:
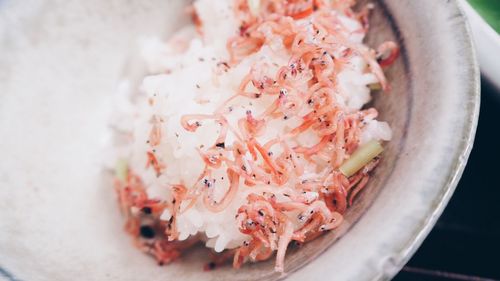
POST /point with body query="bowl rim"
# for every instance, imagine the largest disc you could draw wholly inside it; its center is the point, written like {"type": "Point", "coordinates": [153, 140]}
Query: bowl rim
{"type": "Point", "coordinates": [466, 144]}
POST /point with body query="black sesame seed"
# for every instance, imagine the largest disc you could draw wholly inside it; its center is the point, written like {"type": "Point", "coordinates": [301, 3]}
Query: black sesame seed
{"type": "Point", "coordinates": [211, 265]}
{"type": "Point", "coordinates": [147, 210]}
{"type": "Point", "coordinates": [221, 145]}
{"type": "Point", "coordinates": [147, 231]}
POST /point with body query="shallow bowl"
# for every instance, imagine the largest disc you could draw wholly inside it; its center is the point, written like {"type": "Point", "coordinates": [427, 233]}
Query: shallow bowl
{"type": "Point", "coordinates": [59, 220]}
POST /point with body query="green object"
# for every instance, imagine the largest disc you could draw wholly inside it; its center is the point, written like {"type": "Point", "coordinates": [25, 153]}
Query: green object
{"type": "Point", "coordinates": [361, 157]}
{"type": "Point", "coordinates": [121, 170]}
{"type": "Point", "coordinates": [254, 6]}
{"type": "Point", "coordinates": [375, 87]}
{"type": "Point", "coordinates": [489, 10]}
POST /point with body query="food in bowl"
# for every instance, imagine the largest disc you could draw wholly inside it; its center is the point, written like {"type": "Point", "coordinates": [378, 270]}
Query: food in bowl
{"type": "Point", "coordinates": [251, 129]}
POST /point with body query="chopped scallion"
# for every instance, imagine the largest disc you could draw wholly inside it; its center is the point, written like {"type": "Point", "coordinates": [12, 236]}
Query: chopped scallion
{"type": "Point", "coordinates": [362, 156]}
{"type": "Point", "coordinates": [254, 6]}
{"type": "Point", "coordinates": [375, 86]}
{"type": "Point", "coordinates": [121, 169]}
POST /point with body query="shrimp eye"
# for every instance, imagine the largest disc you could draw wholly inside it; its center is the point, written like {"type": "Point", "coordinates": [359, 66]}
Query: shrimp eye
{"type": "Point", "coordinates": [147, 210]}
{"type": "Point", "coordinates": [147, 231]}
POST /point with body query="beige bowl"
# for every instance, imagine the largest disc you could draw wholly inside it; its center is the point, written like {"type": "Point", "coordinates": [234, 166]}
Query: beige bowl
{"type": "Point", "coordinates": [60, 61]}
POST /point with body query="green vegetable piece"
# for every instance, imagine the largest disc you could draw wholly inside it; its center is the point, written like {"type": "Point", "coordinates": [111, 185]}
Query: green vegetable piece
{"type": "Point", "coordinates": [254, 6]}
{"type": "Point", "coordinates": [375, 86]}
{"type": "Point", "coordinates": [362, 156]}
{"type": "Point", "coordinates": [121, 169]}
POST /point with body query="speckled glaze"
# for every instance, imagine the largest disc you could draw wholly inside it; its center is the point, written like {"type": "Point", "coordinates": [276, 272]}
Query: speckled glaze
{"type": "Point", "coordinates": [60, 61]}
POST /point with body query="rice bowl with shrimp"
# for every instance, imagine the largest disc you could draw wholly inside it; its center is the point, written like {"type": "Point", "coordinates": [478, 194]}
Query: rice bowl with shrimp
{"type": "Point", "coordinates": [251, 129]}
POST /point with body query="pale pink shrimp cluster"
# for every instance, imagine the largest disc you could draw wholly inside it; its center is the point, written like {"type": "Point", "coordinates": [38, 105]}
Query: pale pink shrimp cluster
{"type": "Point", "coordinates": [288, 207]}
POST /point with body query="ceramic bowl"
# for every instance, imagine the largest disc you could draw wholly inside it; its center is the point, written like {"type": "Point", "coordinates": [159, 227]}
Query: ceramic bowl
{"type": "Point", "coordinates": [59, 220]}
